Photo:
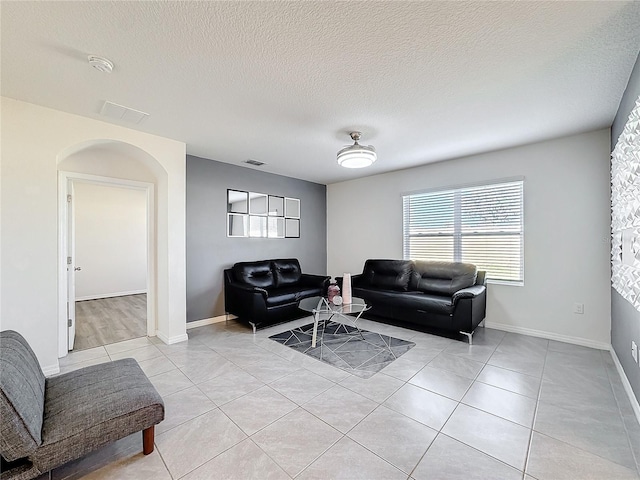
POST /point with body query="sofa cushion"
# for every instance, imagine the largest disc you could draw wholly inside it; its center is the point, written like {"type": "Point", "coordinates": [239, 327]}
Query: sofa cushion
{"type": "Point", "coordinates": [22, 386]}
{"type": "Point", "coordinates": [387, 274]}
{"type": "Point", "coordinates": [287, 271]}
{"type": "Point", "coordinates": [292, 294]}
{"type": "Point", "coordinates": [444, 278]}
{"type": "Point", "coordinates": [425, 302]}
{"type": "Point", "coordinates": [256, 274]}
{"type": "Point", "coordinates": [90, 407]}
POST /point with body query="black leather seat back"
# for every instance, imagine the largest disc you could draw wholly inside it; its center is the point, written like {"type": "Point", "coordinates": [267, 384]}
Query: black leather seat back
{"type": "Point", "coordinates": [387, 274]}
{"type": "Point", "coordinates": [256, 274]}
{"type": "Point", "coordinates": [444, 278]}
{"type": "Point", "coordinates": [287, 271]}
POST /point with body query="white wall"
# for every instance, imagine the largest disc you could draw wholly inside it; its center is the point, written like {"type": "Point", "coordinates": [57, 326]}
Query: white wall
{"type": "Point", "coordinates": [567, 222]}
{"type": "Point", "coordinates": [33, 140]}
{"type": "Point", "coordinates": [110, 240]}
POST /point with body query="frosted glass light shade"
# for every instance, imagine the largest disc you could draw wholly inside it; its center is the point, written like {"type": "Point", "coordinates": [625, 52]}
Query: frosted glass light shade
{"type": "Point", "coordinates": [357, 156]}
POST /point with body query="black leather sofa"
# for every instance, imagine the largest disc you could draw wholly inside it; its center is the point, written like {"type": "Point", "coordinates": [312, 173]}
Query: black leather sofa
{"type": "Point", "coordinates": [268, 291]}
{"type": "Point", "coordinates": [443, 295]}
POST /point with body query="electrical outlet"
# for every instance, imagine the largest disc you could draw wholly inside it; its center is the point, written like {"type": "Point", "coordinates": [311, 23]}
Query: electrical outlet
{"type": "Point", "coordinates": [578, 308]}
{"type": "Point", "coordinates": [634, 351]}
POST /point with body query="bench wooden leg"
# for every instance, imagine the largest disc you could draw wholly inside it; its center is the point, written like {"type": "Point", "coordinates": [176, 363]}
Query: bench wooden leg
{"type": "Point", "coordinates": [147, 440]}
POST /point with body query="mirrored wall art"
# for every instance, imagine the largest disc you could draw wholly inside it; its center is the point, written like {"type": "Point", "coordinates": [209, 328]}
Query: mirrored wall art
{"type": "Point", "coordinates": [257, 204]}
{"type": "Point", "coordinates": [237, 201]}
{"type": "Point", "coordinates": [257, 226]}
{"type": "Point", "coordinates": [259, 215]}
{"type": "Point", "coordinates": [291, 207]}
{"type": "Point", "coordinates": [276, 206]}
{"type": "Point", "coordinates": [292, 228]}
{"type": "Point", "coordinates": [276, 227]}
{"type": "Point", "coordinates": [237, 225]}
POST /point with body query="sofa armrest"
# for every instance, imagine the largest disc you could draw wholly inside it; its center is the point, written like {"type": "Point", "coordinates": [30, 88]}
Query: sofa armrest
{"type": "Point", "coordinates": [248, 289]}
{"type": "Point", "coordinates": [318, 281]}
{"type": "Point", "coordinates": [469, 292]}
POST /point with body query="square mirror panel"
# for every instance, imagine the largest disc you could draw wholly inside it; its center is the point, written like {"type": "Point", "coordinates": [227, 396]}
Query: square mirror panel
{"type": "Point", "coordinates": [237, 225]}
{"type": "Point", "coordinates": [237, 201]}
{"type": "Point", "coordinates": [257, 203]}
{"type": "Point", "coordinates": [291, 207]}
{"type": "Point", "coordinates": [292, 228]}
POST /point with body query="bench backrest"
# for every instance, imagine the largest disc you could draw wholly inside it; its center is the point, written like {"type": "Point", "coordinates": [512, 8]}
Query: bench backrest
{"type": "Point", "coordinates": [22, 385]}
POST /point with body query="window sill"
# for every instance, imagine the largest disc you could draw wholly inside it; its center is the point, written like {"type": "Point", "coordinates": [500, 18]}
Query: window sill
{"type": "Point", "coordinates": [506, 283]}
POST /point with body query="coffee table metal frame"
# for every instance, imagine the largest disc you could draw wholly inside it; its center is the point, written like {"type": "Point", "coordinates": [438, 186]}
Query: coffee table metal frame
{"type": "Point", "coordinates": [321, 305]}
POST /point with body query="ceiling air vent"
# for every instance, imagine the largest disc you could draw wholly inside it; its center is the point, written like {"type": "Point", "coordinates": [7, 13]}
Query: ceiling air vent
{"type": "Point", "coordinates": [255, 163]}
{"type": "Point", "coordinates": [120, 112]}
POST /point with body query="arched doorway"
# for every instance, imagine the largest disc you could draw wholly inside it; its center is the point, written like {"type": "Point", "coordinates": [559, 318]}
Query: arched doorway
{"type": "Point", "coordinates": [108, 164]}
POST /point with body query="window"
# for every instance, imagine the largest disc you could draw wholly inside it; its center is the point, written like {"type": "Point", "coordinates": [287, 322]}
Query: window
{"type": "Point", "coordinates": [482, 225]}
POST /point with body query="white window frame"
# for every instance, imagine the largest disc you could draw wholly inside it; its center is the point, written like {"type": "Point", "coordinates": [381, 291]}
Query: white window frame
{"type": "Point", "coordinates": [457, 229]}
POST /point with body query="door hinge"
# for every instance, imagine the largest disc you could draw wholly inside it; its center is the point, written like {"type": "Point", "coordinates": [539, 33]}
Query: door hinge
{"type": "Point", "coordinates": [68, 260]}
{"type": "Point", "coordinates": [69, 323]}
{"type": "Point", "coordinates": [68, 198]}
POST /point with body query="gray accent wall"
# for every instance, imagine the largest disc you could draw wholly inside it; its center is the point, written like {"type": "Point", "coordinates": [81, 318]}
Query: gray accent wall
{"type": "Point", "coordinates": [210, 251]}
{"type": "Point", "coordinates": [625, 319]}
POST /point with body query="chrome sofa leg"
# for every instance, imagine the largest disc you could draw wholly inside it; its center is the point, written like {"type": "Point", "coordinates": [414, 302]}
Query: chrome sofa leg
{"type": "Point", "coordinates": [469, 336]}
{"type": "Point", "coordinates": [254, 327]}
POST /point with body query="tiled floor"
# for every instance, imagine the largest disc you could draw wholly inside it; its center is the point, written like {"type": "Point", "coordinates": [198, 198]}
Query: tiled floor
{"type": "Point", "coordinates": [240, 406]}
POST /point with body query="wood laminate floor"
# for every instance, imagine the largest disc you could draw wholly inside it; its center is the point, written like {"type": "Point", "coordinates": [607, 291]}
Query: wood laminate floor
{"type": "Point", "coordinates": [110, 320]}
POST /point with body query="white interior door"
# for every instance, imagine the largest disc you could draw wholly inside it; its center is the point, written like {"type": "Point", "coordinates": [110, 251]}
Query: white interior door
{"type": "Point", "coordinates": [71, 266]}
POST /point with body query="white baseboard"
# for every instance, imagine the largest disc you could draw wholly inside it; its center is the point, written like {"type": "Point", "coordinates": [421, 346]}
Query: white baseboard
{"type": "Point", "coordinates": [172, 340]}
{"type": "Point", "coordinates": [109, 295]}
{"type": "Point", "coordinates": [549, 336]}
{"type": "Point", "coordinates": [627, 386]}
{"type": "Point", "coordinates": [209, 321]}
{"type": "Point", "coordinates": [51, 369]}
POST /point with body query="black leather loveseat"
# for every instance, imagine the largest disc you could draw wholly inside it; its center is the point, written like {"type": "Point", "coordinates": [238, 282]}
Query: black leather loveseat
{"type": "Point", "coordinates": [444, 295]}
{"type": "Point", "coordinates": [268, 291]}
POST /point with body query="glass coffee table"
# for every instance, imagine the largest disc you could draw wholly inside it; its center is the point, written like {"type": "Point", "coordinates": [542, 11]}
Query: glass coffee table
{"type": "Point", "coordinates": [321, 307]}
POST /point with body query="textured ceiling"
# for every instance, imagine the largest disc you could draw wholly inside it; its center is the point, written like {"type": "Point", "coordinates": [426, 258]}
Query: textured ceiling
{"type": "Point", "coordinates": [284, 82]}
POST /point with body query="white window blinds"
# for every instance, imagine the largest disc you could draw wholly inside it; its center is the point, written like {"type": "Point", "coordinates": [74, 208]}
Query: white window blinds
{"type": "Point", "coordinates": [482, 225]}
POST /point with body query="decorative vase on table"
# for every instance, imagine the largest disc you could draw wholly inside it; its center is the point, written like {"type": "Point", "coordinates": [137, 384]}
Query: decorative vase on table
{"type": "Point", "coordinates": [346, 288]}
{"type": "Point", "coordinates": [332, 291]}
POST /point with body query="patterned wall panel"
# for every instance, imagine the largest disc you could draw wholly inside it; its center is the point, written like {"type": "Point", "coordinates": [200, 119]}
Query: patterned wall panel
{"type": "Point", "coordinates": [625, 210]}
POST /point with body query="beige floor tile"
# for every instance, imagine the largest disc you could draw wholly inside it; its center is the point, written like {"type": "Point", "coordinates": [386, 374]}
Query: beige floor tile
{"type": "Point", "coordinates": [451, 460]}
{"type": "Point", "coordinates": [140, 354]}
{"type": "Point", "coordinates": [394, 437]}
{"type": "Point", "coordinates": [258, 409]}
{"type": "Point", "coordinates": [132, 344]}
{"type": "Point", "coordinates": [170, 382]}
{"type": "Point", "coordinates": [422, 405]}
{"type": "Point", "coordinates": [136, 467]}
{"type": "Point", "coordinates": [552, 459]}
{"type": "Point", "coordinates": [442, 382]}
{"type": "Point", "coordinates": [187, 446]}
{"type": "Point", "coordinates": [347, 460]}
{"type": "Point", "coordinates": [244, 461]}
{"type": "Point", "coordinates": [301, 386]}
{"type": "Point", "coordinates": [296, 440]}
{"type": "Point", "coordinates": [377, 388]}
{"type": "Point", "coordinates": [182, 406]}
{"type": "Point", "coordinates": [505, 404]}
{"type": "Point", "coordinates": [83, 356]}
{"type": "Point", "coordinates": [499, 438]}
{"type": "Point", "coordinates": [156, 366]}
{"type": "Point", "coordinates": [340, 407]}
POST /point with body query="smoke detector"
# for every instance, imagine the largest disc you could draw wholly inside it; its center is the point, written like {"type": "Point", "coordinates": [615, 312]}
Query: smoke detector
{"type": "Point", "coordinates": [101, 64]}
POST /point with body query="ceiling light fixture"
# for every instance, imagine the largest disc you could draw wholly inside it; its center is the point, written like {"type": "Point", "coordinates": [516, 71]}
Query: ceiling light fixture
{"type": "Point", "coordinates": [356, 155]}
{"type": "Point", "coordinates": [100, 63]}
